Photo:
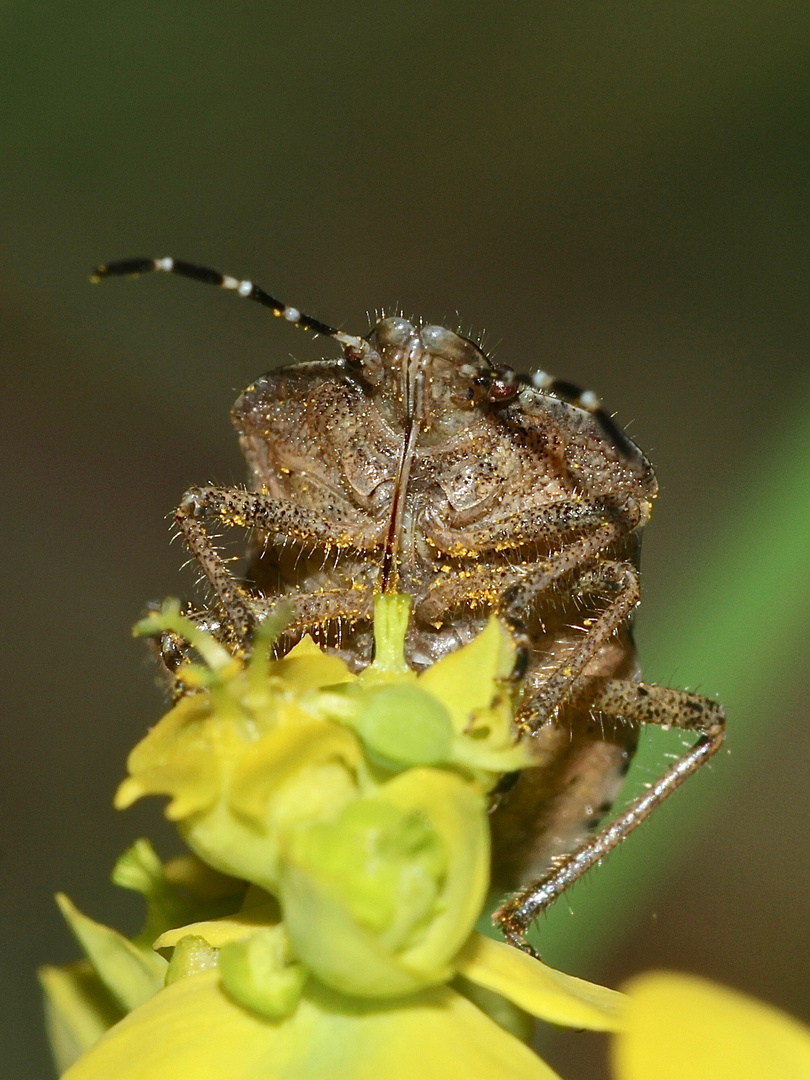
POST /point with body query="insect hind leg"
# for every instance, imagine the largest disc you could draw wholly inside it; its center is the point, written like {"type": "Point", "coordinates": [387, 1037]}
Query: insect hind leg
{"type": "Point", "coordinates": [639, 702]}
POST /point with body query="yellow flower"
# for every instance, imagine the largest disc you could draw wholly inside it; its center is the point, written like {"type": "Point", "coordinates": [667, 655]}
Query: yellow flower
{"type": "Point", "coordinates": [323, 925]}
{"type": "Point", "coordinates": [343, 819]}
{"type": "Point", "coordinates": [86, 998]}
{"type": "Point", "coordinates": [680, 1026]}
{"type": "Point", "coordinates": [194, 1028]}
{"type": "Point", "coordinates": [359, 802]}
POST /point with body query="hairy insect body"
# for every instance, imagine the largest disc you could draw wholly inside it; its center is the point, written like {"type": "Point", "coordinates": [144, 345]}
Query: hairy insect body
{"type": "Point", "coordinates": [449, 500]}
{"type": "Point", "coordinates": [454, 502]}
{"type": "Point", "coordinates": [414, 464]}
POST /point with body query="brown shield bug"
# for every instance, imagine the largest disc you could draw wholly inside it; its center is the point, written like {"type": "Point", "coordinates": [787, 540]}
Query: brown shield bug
{"type": "Point", "coordinates": [413, 463]}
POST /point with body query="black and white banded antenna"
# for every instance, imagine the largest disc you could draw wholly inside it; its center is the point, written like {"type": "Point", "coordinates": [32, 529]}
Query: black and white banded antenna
{"type": "Point", "coordinates": [582, 399]}
{"type": "Point", "coordinates": [247, 289]}
{"type": "Point", "coordinates": [357, 347]}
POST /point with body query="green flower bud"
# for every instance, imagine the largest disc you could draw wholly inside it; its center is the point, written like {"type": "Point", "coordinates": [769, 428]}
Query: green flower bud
{"type": "Point", "coordinates": [402, 725]}
{"type": "Point", "coordinates": [191, 955]}
{"type": "Point", "coordinates": [260, 973]}
{"type": "Point", "coordinates": [378, 901]}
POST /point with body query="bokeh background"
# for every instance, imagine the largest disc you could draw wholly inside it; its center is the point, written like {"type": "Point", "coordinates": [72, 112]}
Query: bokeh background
{"type": "Point", "coordinates": [617, 192]}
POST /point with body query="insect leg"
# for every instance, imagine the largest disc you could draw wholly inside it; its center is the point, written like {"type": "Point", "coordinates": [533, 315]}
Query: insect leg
{"type": "Point", "coordinates": [513, 587]}
{"type": "Point", "coordinates": [170, 651]}
{"type": "Point", "coordinates": [252, 510]}
{"type": "Point", "coordinates": [635, 702]}
{"type": "Point", "coordinates": [316, 609]}
{"type": "Point", "coordinates": [307, 611]}
{"type": "Point", "coordinates": [554, 524]}
{"type": "Point", "coordinates": [619, 582]}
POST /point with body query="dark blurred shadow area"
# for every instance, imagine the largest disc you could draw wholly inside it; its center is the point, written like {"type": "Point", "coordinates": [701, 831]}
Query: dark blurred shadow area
{"type": "Point", "coordinates": [617, 193]}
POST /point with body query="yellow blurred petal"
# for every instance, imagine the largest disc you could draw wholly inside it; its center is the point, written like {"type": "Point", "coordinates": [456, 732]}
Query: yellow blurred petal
{"type": "Point", "coordinates": [193, 1030]}
{"type": "Point", "coordinates": [219, 932]}
{"type": "Point", "coordinates": [504, 1012]}
{"type": "Point", "coordinates": [458, 814]}
{"type": "Point", "coordinates": [350, 956]}
{"type": "Point", "coordinates": [306, 667]}
{"type": "Point", "coordinates": [232, 845]}
{"type": "Point", "coordinates": [202, 881]}
{"type": "Point", "coordinates": [178, 757]}
{"type": "Point", "coordinates": [78, 1010]}
{"type": "Point", "coordinates": [129, 973]}
{"type": "Point", "coordinates": [292, 753]}
{"type": "Point", "coordinates": [548, 994]}
{"type": "Point", "coordinates": [343, 954]}
{"type": "Point", "coordinates": [465, 680]}
{"type": "Point", "coordinates": [683, 1028]}
{"type": "Point", "coordinates": [305, 647]}
{"type": "Point", "coordinates": [475, 756]}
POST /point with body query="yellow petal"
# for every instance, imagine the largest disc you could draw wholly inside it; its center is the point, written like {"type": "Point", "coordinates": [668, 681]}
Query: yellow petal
{"type": "Point", "coordinates": [306, 667]}
{"type": "Point", "coordinates": [130, 974]}
{"type": "Point", "coordinates": [78, 1010]}
{"type": "Point", "coordinates": [457, 813]}
{"type": "Point", "coordinates": [465, 681]}
{"type": "Point", "coordinates": [177, 757]}
{"type": "Point", "coordinates": [679, 1026]}
{"type": "Point", "coordinates": [342, 953]}
{"type": "Point", "coordinates": [548, 994]}
{"type": "Point", "coordinates": [193, 1030]}
{"type": "Point", "coordinates": [219, 932]}
{"type": "Point", "coordinates": [352, 958]}
{"type": "Point", "coordinates": [285, 755]}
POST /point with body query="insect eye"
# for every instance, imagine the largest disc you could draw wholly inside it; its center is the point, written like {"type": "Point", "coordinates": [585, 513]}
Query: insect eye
{"type": "Point", "coordinates": [503, 386]}
{"type": "Point", "coordinates": [354, 356]}
{"type": "Point", "coordinates": [478, 390]}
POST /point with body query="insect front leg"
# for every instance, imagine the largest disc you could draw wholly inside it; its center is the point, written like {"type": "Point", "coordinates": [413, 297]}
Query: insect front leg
{"type": "Point", "coordinates": [637, 702]}
{"type": "Point", "coordinates": [254, 510]}
{"type": "Point", "coordinates": [512, 586]}
{"type": "Point", "coordinates": [307, 611]}
{"type": "Point", "coordinates": [170, 651]}
{"type": "Point", "coordinates": [554, 523]}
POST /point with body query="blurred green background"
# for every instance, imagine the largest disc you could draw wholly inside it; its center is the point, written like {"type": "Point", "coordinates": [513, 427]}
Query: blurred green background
{"type": "Point", "coordinates": [617, 192]}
